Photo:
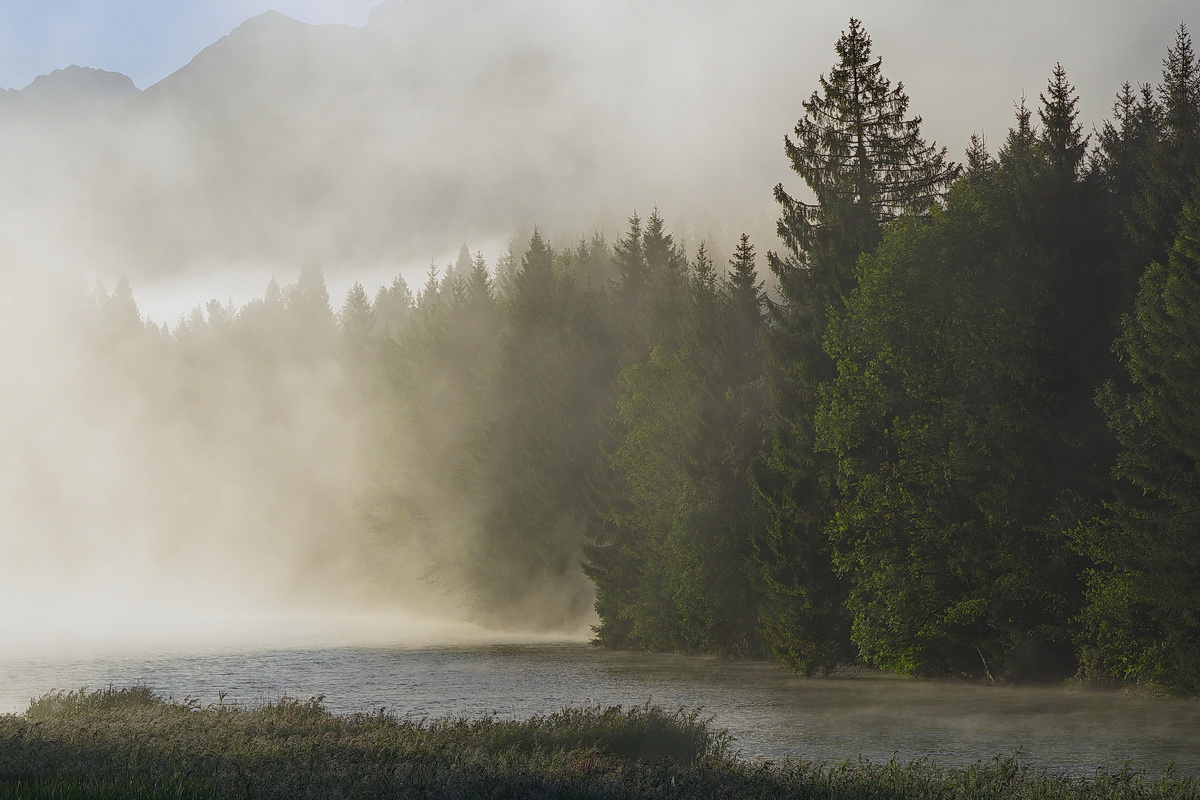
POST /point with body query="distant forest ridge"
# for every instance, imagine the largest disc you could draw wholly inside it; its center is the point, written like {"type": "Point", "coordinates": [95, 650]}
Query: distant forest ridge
{"type": "Point", "coordinates": [961, 438]}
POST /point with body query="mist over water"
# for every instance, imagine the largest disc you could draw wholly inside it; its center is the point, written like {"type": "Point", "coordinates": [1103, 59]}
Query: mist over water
{"type": "Point", "coordinates": [137, 497]}
{"type": "Point", "coordinates": [771, 714]}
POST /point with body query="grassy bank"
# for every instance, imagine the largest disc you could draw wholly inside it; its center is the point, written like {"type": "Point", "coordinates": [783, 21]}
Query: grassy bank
{"type": "Point", "coordinates": [129, 743]}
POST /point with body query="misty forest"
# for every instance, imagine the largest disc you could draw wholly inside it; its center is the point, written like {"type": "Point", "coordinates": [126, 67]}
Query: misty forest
{"type": "Point", "coordinates": [946, 424]}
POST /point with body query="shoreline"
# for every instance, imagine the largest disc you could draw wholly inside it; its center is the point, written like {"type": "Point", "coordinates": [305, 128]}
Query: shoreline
{"type": "Point", "coordinates": [132, 743]}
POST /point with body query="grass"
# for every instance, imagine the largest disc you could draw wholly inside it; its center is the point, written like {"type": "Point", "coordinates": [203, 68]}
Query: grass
{"type": "Point", "coordinates": [134, 745]}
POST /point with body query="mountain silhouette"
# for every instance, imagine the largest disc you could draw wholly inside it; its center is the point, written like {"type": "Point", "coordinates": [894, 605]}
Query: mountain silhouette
{"type": "Point", "coordinates": [74, 91]}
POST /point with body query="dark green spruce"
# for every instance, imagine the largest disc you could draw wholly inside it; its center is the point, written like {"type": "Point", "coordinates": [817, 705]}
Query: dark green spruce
{"type": "Point", "coordinates": [863, 158]}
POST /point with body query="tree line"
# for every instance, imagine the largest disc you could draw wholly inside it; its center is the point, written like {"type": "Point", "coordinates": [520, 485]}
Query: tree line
{"type": "Point", "coordinates": [953, 430]}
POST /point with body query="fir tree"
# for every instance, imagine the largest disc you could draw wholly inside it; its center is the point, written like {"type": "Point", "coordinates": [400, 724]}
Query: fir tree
{"type": "Point", "coordinates": [1173, 159]}
{"type": "Point", "coordinates": [864, 160]}
{"type": "Point", "coordinates": [393, 305]}
{"type": "Point", "coordinates": [961, 414]}
{"type": "Point", "coordinates": [1142, 623]}
{"type": "Point", "coordinates": [539, 449]}
{"type": "Point", "coordinates": [310, 319]}
{"type": "Point", "coordinates": [357, 322]}
{"type": "Point", "coordinates": [670, 546]}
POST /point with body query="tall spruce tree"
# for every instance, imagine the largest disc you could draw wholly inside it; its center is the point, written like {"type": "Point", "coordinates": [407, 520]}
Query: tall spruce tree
{"type": "Point", "coordinates": [651, 289]}
{"type": "Point", "coordinates": [1172, 160]}
{"type": "Point", "coordinates": [357, 323]}
{"type": "Point", "coordinates": [1142, 622]}
{"type": "Point", "coordinates": [1061, 213]}
{"type": "Point", "coordinates": [734, 437]}
{"type": "Point", "coordinates": [311, 322]}
{"type": "Point", "coordinates": [1123, 150]}
{"type": "Point", "coordinates": [865, 162]}
{"type": "Point", "coordinates": [1124, 142]}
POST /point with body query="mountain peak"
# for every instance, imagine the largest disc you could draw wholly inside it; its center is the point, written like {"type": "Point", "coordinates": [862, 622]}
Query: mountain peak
{"type": "Point", "coordinates": [271, 48]}
{"type": "Point", "coordinates": [75, 78]}
{"type": "Point", "coordinates": [268, 20]}
{"type": "Point", "coordinates": [75, 90]}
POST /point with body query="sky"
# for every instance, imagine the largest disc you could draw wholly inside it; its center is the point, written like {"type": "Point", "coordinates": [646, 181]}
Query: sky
{"type": "Point", "coordinates": [964, 63]}
{"type": "Point", "coordinates": [1013, 44]}
{"type": "Point", "coordinates": [144, 39]}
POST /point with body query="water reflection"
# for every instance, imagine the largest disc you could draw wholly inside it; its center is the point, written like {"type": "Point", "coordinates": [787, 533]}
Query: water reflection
{"type": "Point", "coordinates": [771, 714]}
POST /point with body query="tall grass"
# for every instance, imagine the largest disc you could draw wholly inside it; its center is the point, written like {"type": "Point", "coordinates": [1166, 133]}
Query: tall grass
{"type": "Point", "coordinates": [133, 744]}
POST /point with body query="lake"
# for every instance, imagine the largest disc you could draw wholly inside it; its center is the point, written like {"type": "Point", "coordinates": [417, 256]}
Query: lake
{"type": "Point", "coordinates": [771, 714]}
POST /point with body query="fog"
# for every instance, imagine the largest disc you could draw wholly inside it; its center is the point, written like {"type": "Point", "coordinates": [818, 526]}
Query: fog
{"type": "Point", "coordinates": [164, 496]}
{"type": "Point", "coordinates": [443, 122]}
{"type": "Point", "coordinates": [144, 491]}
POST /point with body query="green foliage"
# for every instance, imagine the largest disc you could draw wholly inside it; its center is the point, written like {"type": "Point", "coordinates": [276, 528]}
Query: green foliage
{"type": "Point", "coordinates": [961, 415]}
{"type": "Point", "coordinates": [1142, 623]}
{"type": "Point", "coordinates": [865, 161]}
{"type": "Point", "coordinates": [652, 289]}
{"type": "Point", "coordinates": [673, 520]}
{"type": "Point", "coordinates": [930, 419]}
{"type": "Point", "coordinates": [1170, 160]}
{"type": "Point", "coordinates": [658, 412]}
{"type": "Point", "coordinates": [863, 158]}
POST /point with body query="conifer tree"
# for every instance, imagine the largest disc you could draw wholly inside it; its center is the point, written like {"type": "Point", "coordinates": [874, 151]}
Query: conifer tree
{"type": "Point", "coordinates": [630, 259]}
{"type": "Point", "coordinates": [1125, 140]}
{"type": "Point", "coordinates": [702, 334]}
{"type": "Point", "coordinates": [594, 265]}
{"type": "Point", "coordinates": [979, 160]}
{"type": "Point", "coordinates": [935, 421]}
{"type": "Point", "coordinates": [310, 319]}
{"type": "Point", "coordinates": [652, 287]}
{"type": "Point", "coordinates": [866, 163]}
{"type": "Point", "coordinates": [357, 322]}
{"type": "Point", "coordinates": [1142, 623]}
{"type": "Point", "coordinates": [670, 545]}
{"type": "Point", "coordinates": [1125, 144]}
{"type": "Point", "coordinates": [540, 447]}
{"type": "Point", "coordinates": [393, 305]}
{"type": "Point", "coordinates": [961, 414]}
{"type": "Point", "coordinates": [733, 427]}
{"type": "Point", "coordinates": [1173, 159]}
{"type": "Point", "coordinates": [1058, 212]}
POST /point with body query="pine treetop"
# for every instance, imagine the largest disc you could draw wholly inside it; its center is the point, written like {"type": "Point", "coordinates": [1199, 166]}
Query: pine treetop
{"type": "Point", "coordinates": [856, 144]}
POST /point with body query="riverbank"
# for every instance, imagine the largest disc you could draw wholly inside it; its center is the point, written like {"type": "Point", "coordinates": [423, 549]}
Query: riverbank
{"type": "Point", "coordinates": [134, 745]}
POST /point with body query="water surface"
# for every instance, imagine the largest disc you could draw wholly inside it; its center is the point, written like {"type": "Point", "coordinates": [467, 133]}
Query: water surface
{"type": "Point", "coordinates": [770, 713]}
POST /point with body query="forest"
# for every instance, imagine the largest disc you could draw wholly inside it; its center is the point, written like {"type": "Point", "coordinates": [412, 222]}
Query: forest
{"type": "Point", "coordinates": [950, 428]}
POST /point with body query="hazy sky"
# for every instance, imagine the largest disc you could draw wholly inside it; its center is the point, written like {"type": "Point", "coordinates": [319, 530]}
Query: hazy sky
{"type": "Point", "coordinates": [144, 39]}
{"type": "Point", "coordinates": [737, 72]}
{"type": "Point", "coordinates": [939, 47]}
